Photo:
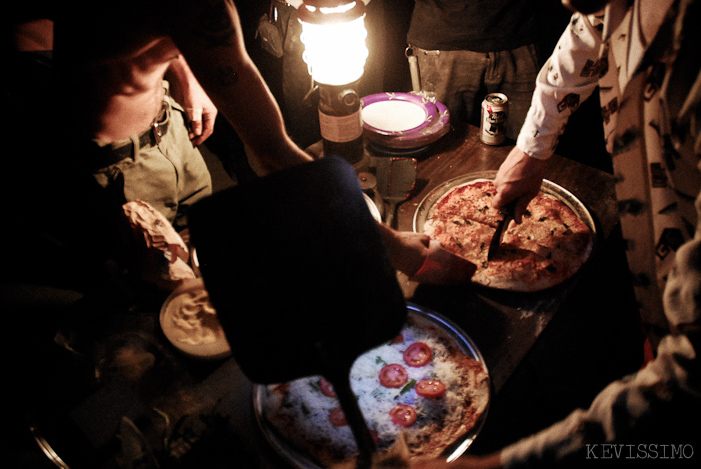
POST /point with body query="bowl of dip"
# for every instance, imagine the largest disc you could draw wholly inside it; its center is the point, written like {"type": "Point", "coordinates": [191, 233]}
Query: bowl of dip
{"type": "Point", "coordinates": [190, 323]}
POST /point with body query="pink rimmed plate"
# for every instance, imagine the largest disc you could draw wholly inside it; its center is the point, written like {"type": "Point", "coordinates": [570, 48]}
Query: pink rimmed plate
{"type": "Point", "coordinates": [394, 114]}
{"type": "Point", "coordinates": [415, 138]}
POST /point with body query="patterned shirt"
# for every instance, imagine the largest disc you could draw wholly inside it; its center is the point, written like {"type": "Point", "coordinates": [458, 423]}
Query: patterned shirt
{"type": "Point", "coordinates": [644, 57]}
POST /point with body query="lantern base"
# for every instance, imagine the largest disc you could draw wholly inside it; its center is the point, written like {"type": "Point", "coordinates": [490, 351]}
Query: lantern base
{"type": "Point", "coordinates": [352, 151]}
{"type": "Point", "coordinates": [340, 121]}
{"type": "Point", "coordinates": [363, 164]}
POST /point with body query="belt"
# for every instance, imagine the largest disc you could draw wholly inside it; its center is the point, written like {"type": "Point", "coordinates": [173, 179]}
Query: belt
{"type": "Point", "coordinates": [150, 137]}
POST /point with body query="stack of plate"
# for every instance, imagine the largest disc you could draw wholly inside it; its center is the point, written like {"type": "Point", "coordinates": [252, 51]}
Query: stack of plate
{"type": "Point", "coordinates": [403, 121]}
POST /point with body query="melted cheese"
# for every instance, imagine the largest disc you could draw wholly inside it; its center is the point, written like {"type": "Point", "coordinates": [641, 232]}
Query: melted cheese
{"type": "Point", "coordinates": [301, 413]}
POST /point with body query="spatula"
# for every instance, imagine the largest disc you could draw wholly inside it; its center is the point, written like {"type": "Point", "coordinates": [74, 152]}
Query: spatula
{"type": "Point", "coordinates": [300, 278]}
{"type": "Point", "coordinates": [396, 177]}
{"type": "Point", "coordinates": [508, 213]}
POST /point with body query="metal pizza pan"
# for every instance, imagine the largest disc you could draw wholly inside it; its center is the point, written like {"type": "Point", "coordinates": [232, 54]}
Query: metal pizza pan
{"type": "Point", "coordinates": [421, 316]}
{"type": "Point", "coordinates": [423, 210]}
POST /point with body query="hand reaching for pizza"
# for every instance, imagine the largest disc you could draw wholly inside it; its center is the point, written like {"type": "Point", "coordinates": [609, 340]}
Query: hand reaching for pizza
{"type": "Point", "coordinates": [423, 259]}
{"type": "Point", "coordinates": [442, 267]}
{"type": "Point", "coordinates": [519, 177]}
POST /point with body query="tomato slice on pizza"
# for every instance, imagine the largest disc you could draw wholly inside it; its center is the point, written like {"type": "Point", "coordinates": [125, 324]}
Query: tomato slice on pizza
{"type": "Point", "coordinates": [420, 385]}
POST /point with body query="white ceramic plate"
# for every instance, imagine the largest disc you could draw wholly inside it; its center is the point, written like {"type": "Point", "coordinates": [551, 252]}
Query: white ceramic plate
{"type": "Point", "coordinates": [415, 138]}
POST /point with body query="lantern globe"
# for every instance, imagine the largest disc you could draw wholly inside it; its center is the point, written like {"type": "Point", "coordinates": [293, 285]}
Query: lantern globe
{"type": "Point", "coordinates": [333, 34]}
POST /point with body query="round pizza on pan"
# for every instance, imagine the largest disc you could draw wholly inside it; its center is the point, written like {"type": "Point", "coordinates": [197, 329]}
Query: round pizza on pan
{"type": "Point", "coordinates": [428, 388]}
{"type": "Point", "coordinates": [548, 247]}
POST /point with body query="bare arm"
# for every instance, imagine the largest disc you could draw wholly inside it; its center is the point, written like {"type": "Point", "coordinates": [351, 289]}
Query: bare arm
{"type": "Point", "coordinates": [186, 90]}
{"type": "Point", "coordinates": [560, 87]}
{"type": "Point", "coordinates": [208, 33]}
{"type": "Point", "coordinates": [423, 259]}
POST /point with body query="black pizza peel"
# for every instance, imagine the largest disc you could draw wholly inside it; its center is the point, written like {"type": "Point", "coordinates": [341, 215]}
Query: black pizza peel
{"type": "Point", "coordinates": [301, 280]}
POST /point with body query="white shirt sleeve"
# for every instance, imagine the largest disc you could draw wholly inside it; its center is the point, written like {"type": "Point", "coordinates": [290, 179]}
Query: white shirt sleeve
{"type": "Point", "coordinates": [568, 78]}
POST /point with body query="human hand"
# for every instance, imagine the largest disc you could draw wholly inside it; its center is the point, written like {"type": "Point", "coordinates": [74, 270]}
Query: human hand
{"type": "Point", "coordinates": [201, 117]}
{"type": "Point", "coordinates": [519, 177]}
{"type": "Point", "coordinates": [423, 259]}
{"type": "Point", "coordinates": [442, 267]}
{"type": "Point", "coordinates": [407, 250]}
{"type": "Point", "coordinates": [200, 111]}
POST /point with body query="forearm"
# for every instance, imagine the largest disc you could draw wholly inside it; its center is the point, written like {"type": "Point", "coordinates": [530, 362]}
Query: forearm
{"type": "Point", "coordinates": [257, 118]}
{"type": "Point", "coordinates": [209, 36]}
{"type": "Point", "coordinates": [181, 78]}
{"type": "Point", "coordinates": [567, 79]}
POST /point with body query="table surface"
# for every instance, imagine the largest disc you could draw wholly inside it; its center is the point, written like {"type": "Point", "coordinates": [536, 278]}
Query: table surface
{"type": "Point", "coordinates": [504, 325]}
{"type": "Point", "coordinates": [191, 407]}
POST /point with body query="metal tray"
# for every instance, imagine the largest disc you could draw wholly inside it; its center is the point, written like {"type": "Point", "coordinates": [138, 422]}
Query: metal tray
{"type": "Point", "coordinates": [421, 316]}
{"type": "Point", "coordinates": [423, 210]}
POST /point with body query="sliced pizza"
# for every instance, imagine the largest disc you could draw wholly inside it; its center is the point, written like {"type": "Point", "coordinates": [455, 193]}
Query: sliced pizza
{"type": "Point", "coordinates": [547, 248]}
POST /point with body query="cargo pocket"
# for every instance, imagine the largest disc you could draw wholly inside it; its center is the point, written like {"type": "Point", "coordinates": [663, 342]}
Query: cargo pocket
{"type": "Point", "coordinates": [270, 32]}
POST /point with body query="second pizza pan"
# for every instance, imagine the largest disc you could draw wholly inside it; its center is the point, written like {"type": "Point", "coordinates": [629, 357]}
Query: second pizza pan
{"type": "Point", "coordinates": [422, 317]}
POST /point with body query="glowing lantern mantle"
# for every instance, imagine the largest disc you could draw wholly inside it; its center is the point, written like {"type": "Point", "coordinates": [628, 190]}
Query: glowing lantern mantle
{"type": "Point", "coordinates": [333, 34]}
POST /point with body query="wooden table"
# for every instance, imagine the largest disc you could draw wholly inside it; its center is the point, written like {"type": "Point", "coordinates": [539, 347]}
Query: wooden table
{"type": "Point", "coordinates": [462, 152]}
{"type": "Point", "coordinates": [504, 326]}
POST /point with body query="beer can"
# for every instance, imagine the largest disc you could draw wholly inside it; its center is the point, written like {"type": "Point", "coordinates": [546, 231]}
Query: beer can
{"type": "Point", "coordinates": [495, 109]}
